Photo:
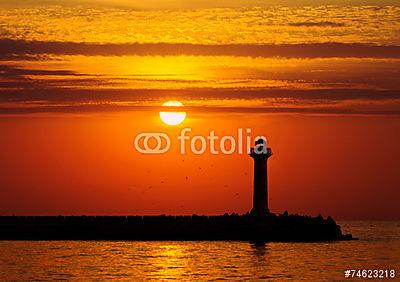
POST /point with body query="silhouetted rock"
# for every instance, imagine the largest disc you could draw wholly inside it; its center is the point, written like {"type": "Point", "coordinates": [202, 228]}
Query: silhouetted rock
{"type": "Point", "coordinates": [163, 227]}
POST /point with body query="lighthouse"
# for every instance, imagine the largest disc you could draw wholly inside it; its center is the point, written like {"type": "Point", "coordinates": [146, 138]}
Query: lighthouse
{"type": "Point", "coordinates": [260, 154]}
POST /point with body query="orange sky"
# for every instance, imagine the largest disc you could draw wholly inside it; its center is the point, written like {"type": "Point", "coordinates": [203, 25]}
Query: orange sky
{"type": "Point", "coordinates": [86, 164]}
{"type": "Point", "coordinates": [79, 80]}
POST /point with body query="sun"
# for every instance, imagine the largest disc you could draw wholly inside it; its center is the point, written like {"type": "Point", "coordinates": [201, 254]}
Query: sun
{"type": "Point", "coordinates": [172, 117]}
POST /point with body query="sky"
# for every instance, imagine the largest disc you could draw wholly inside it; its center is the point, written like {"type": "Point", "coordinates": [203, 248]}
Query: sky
{"type": "Point", "coordinates": [80, 79]}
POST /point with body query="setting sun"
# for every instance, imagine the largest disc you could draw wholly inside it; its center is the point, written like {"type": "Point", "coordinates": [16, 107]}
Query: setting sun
{"type": "Point", "coordinates": [172, 117]}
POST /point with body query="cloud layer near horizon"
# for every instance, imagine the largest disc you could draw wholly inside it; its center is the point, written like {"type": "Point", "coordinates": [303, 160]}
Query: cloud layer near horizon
{"type": "Point", "coordinates": [97, 83]}
{"type": "Point", "coordinates": [317, 50]}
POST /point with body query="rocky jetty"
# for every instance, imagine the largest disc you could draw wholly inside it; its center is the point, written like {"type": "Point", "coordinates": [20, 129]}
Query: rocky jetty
{"type": "Point", "coordinates": [247, 227]}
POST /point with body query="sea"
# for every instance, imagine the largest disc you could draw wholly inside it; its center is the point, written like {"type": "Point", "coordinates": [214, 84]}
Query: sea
{"type": "Point", "coordinates": [378, 248]}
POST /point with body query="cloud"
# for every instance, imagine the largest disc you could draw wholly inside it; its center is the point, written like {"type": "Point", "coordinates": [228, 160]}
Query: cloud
{"type": "Point", "coordinates": [193, 4]}
{"type": "Point", "coordinates": [318, 24]}
{"type": "Point", "coordinates": [82, 95]}
{"type": "Point", "coordinates": [18, 72]}
{"type": "Point", "coordinates": [318, 50]}
{"type": "Point", "coordinates": [321, 101]}
{"type": "Point", "coordinates": [111, 107]}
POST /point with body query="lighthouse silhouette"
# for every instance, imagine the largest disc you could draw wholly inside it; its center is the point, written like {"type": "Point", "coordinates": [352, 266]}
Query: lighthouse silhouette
{"type": "Point", "coordinates": [260, 154]}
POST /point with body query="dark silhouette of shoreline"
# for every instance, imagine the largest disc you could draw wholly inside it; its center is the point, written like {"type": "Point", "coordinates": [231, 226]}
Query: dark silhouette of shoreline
{"type": "Point", "coordinates": [247, 227]}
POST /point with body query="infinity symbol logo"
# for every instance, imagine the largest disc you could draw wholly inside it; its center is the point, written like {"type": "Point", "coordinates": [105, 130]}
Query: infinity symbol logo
{"type": "Point", "coordinates": [147, 136]}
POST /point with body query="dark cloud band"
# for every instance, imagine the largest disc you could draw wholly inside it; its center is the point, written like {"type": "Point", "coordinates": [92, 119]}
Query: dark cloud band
{"type": "Point", "coordinates": [319, 50]}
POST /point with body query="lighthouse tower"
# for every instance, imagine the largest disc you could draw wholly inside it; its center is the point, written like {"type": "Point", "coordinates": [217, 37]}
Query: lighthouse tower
{"type": "Point", "coordinates": [260, 154]}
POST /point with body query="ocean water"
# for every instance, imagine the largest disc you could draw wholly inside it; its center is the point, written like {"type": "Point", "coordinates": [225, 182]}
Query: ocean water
{"type": "Point", "coordinates": [378, 248]}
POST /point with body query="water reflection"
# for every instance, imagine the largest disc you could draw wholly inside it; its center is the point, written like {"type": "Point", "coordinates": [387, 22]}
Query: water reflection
{"type": "Point", "coordinates": [89, 260]}
{"type": "Point", "coordinates": [260, 251]}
